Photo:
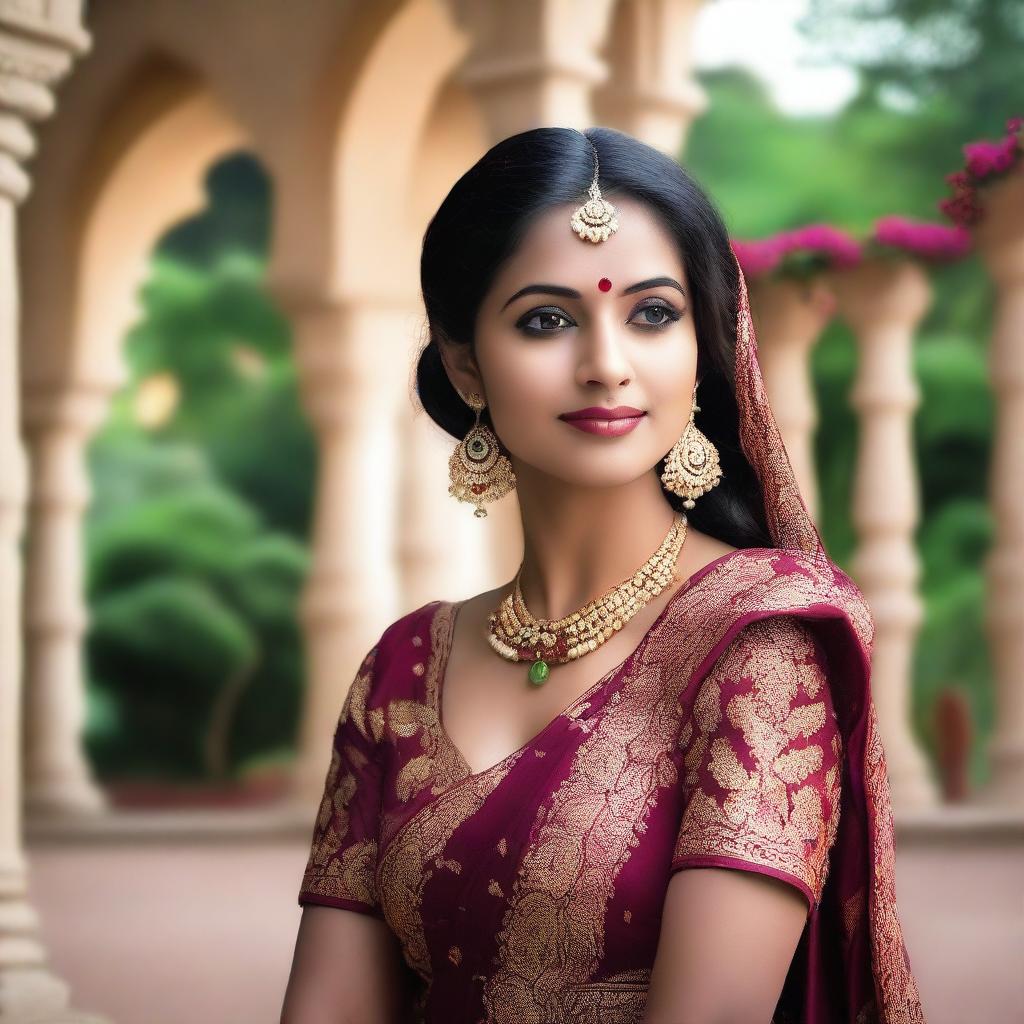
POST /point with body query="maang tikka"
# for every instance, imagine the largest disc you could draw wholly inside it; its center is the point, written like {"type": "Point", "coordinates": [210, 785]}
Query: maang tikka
{"type": "Point", "coordinates": [596, 219]}
{"type": "Point", "coordinates": [691, 466]}
{"type": "Point", "coordinates": [479, 471]}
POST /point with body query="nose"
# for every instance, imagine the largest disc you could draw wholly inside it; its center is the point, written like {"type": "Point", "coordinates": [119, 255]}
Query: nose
{"type": "Point", "coordinates": [602, 355]}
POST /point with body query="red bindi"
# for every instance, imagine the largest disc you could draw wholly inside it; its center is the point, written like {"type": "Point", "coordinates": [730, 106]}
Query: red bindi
{"type": "Point", "coordinates": [604, 284]}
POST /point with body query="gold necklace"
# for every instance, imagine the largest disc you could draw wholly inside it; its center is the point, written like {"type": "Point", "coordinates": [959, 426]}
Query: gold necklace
{"type": "Point", "coordinates": [517, 636]}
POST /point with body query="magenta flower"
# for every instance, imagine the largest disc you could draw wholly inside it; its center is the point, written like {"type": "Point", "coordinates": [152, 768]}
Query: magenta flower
{"type": "Point", "coordinates": [757, 258]}
{"type": "Point", "coordinates": [987, 158]}
{"type": "Point", "coordinates": [932, 242]}
{"type": "Point", "coordinates": [836, 246]}
{"type": "Point", "coordinates": [983, 160]}
{"type": "Point", "coordinates": [766, 255]}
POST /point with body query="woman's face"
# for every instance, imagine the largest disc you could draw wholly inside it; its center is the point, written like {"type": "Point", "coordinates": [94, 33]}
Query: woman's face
{"type": "Point", "coordinates": [569, 324]}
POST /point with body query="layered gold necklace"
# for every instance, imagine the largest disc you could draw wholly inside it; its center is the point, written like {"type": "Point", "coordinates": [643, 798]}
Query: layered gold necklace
{"type": "Point", "coordinates": [517, 636]}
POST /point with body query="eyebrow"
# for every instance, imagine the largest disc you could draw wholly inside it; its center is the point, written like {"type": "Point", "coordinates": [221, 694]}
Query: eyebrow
{"type": "Point", "coordinates": [571, 293]}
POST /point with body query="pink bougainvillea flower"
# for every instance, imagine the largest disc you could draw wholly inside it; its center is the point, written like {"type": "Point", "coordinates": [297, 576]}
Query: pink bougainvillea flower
{"type": "Point", "coordinates": [987, 158]}
{"type": "Point", "coordinates": [962, 209]}
{"type": "Point", "coordinates": [839, 248]}
{"type": "Point", "coordinates": [767, 255]}
{"type": "Point", "coordinates": [983, 160]}
{"type": "Point", "coordinates": [757, 258]}
{"type": "Point", "coordinates": [932, 242]}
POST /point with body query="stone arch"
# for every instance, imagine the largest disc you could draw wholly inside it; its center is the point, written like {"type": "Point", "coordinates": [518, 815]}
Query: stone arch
{"type": "Point", "coordinates": [82, 273]}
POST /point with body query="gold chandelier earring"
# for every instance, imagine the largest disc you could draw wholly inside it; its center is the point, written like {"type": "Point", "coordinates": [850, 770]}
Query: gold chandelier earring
{"type": "Point", "coordinates": [691, 466]}
{"type": "Point", "coordinates": [479, 471]}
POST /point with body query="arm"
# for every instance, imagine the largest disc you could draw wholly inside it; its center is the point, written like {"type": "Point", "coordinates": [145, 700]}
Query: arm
{"type": "Point", "coordinates": [727, 939]}
{"type": "Point", "coordinates": [347, 969]}
{"type": "Point", "coordinates": [761, 770]}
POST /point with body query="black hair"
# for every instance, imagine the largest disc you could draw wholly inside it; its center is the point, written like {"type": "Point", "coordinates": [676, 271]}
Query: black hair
{"type": "Point", "coordinates": [487, 213]}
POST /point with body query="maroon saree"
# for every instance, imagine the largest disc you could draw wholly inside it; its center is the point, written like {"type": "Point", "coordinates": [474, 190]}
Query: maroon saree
{"type": "Point", "coordinates": [739, 733]}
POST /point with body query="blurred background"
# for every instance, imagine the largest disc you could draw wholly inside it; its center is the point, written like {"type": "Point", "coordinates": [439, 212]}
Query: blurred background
{"type": "Point", "coordinates": [210, 216]}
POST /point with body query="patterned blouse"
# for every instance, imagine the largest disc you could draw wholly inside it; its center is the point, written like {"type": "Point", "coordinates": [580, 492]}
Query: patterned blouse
{"type": "Point", "coordinates": [533, 890]}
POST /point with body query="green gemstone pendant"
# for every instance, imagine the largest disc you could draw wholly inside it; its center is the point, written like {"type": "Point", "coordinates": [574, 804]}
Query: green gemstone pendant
{"type": "Point", "coordinates": [539, 672]}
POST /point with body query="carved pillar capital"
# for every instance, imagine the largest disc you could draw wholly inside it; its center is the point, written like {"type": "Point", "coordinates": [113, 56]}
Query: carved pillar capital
{"type": "Point", "coordinates": [534, 62]}
{"type": "Point", "coordinates": [39, 40]}
{"type": "Point", "coordinates": [651, 92]}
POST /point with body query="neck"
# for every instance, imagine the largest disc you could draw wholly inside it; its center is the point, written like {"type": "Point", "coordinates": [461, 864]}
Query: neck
{"type": "Point", "coordinates": [581, 542]}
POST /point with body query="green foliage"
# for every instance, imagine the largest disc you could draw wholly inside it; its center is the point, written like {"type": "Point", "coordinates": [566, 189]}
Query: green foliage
{"type": "Point", "coordinates": [888, 152]}
{"type": "Point", "coordinates": [193, 639]}
{"type": "Point", "coordinates": [163, 648]}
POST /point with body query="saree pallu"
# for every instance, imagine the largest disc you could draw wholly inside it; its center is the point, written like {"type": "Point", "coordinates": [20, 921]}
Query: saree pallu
{"type": "Point", "coordinates": [739, 733]}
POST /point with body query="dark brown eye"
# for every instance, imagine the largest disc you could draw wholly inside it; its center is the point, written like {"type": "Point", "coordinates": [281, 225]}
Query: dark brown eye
{"type": "Point", "coordinates": [550, 322]}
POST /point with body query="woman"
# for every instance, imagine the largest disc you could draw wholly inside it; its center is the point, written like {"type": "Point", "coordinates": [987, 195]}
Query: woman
{"type": "Point", "coordinates": [676, 678]}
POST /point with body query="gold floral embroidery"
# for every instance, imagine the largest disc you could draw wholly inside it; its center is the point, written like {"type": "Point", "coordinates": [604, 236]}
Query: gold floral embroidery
{"type": "Point", "coordinates": [548, 956]}
{"type": "Point", "coordinates": [767, 817]}
{"type": "Point", "coordinates": [404, 869]}
{"type": "Point", "coordinates": [354, 705]}
{"type": "Point", "coordinates": [627, 916]}
{"type": "Point", "coordinates": [618, 999]}
{"type": "Point", "coordinates": [579, 843]}
{"type": "Point", "coordinates": [337, 867]}
{"type": "Point", "coordinates": [438, 765]}
{"type": "Point", "coordinates": [890, 963]}
{"type": "Point", "coordinates": [494, 888]}
{"type": "Point", "coordinates": [455, 955]}
{"type": "Point", "coordinates": [418, 668]}
{"type": "Point", "coordinates": [502, 846]}
{"type": "Point", "coordinates": [409, 847]}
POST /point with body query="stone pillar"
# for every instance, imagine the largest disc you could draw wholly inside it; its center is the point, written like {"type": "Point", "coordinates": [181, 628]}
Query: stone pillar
{"type": "Point", "coordinates": [349, 354]}
{"type": "Point", "coordinates": [57, 426]}
{"type": "Point", "coordinates": [38, 43]}
{"type": "Point", "coordinates": [1000, 241]}
{"type": "Point", "coordinates": [443, 550]}
{"type": "Point", "coordinates": [883, 301]}
{"type": "Point", "coordinates": [789, 317]}
{"type": "Point", "coordinates": [651, 92]}
{"type": "Point", "coordinates": [534, 62]}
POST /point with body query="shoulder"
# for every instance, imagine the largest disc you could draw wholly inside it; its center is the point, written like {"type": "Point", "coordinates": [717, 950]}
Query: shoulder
{"type": "Point", "coordinates": [757, 582]}
{"type": "Point", "coordinates": [410, 637]}
{"type": "Point", "coordinates": [770, 684]}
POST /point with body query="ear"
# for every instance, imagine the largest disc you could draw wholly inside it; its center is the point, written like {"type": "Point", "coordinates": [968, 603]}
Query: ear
{"type": "Point", "coordinates": [461, 367]}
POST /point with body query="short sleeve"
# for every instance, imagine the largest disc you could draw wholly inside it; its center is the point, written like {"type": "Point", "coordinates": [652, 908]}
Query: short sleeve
{"type": "Point", "coordinates": [762, 759]}
{"type": "Point", "coordinates": [342, 862]}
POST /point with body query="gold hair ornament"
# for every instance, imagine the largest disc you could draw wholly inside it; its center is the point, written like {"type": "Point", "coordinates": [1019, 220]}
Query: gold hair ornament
{"type": "Point", "coordinates": [596, 219]}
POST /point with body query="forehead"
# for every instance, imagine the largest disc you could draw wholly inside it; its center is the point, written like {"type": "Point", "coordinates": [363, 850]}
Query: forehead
{"type": "Point", "coordinates": [642, 247]}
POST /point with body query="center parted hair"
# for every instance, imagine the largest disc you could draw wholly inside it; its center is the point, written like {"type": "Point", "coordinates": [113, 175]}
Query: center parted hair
{"type": "Point", "coordinates": [487, 213]}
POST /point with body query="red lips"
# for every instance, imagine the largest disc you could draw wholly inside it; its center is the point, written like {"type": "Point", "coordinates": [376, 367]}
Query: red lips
{"type": "Point", "coordinates": [597, 412]}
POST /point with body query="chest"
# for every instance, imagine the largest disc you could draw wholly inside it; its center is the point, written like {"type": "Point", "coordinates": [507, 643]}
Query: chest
{"type": "Point", "coordinates": [488, 707]}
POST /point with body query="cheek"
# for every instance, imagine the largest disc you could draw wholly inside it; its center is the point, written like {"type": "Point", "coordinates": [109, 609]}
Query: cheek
{"type": "Point", "coordinates": [521, 378]}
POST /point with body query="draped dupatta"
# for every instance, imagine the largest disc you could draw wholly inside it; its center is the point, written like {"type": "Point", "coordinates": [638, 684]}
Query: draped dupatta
{"type": "Point", "coordinates": [859, 903]}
